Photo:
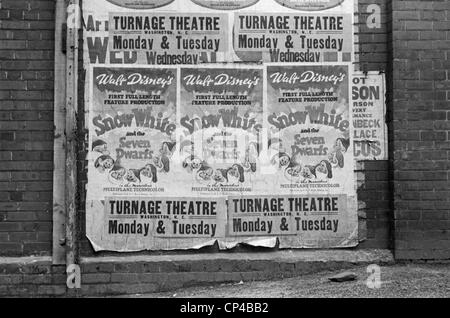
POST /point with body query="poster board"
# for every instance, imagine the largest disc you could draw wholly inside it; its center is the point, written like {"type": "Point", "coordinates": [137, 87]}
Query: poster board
{"type": "Point", "coordinates": [369, 116]}
{"type": "Point", "coordinates": [186, 102]}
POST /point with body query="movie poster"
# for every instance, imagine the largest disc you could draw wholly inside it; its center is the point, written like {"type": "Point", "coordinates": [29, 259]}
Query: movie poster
{"type": "Point", "coordinates": [225, 4]}
{"type": "Point", "coordinates": [297, 221]}
{"type": "Point", "coordinates": [131, 172]}
{"type": "Point", "coordinates": [310, 5]}
{"type": "Point", "coordinates": [220, 129]}
{"type": "Point", "coordinates": [132, 120]}
{"type": "Point", "coordinates": [369, 112]}
{"type": "Point", "coordinates": [150, 222]}
{"type": "Point", "coordinates": [195, 32]}
{"type": "Point", "coordinates": [293, 38]}
{"type": "Point", "coordinates": [221, 121]}
{"type": "Point", "coordinates": [308, 115]}
{"type": "Point", "coordinates": [166, 38]}
{"type": "Point", "coordinates": [141, 4]}
{"type": "Point", "coordinates": [165, 35]}
{"type": "Point", "coordinates": [311, 158]}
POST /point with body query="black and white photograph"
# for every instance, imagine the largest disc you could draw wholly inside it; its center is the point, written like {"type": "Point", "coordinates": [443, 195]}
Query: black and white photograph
{"type": "Point", "coordinates": [224, 156]}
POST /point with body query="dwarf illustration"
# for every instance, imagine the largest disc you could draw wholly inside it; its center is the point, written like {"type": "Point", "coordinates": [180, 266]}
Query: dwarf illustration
{"type": "Point", "coordinates": [220, 176]}
{"type": "Point", "coordinates": [293, 170]}
{"type": "Point", "coordinates": [341, 144]}
{"type": "Point", "coordinates": [117, 173]}
{"type": "Point", "coordinates": [104, 163]}
{"type": "Point", "coordinates": [336, 159]}
{"type": "Point", "coordinates": [149, 171]}
{"type": "Point", "coordinates": [192, 163]}
{"type": "Point", "coordinates": [324, 170]}
{"type": "Point", "coordinates": [100, 146]}
{"type": "Point", "coordinates": [133, 176]}
{"type": "Point", "coordinates": [281, 159]}
{"type": "Point", "coordinates": [162, 163]}
{"type": "Point", "coordinates": [165, 161]}
{"type": "Point", "coordinates": [236, 171]}
{"type": "Point", "coordinates": [308, 172]}
{"type": "Point", "coordinates": [205, 172]}
{"type": "Point", "coordinates": [162, 160]}
{"type": "Point", "coordinates": [158, 162]}
{"type": "Point", "coordinates": [167, 148]}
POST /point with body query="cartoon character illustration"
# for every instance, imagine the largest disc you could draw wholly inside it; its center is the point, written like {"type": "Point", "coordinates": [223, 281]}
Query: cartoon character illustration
{"type": "Point", "coordinates": [167, 148]}
{"type": "Point", "coordinates": [237, 172]}
{"type": "Point", "coordinates": [100, 146]}
{"type": "Point", "coordinates": [281, 159]}
{"type": "Point", "coordinates": [162, 160]}
{"type": "Point", "coordinates": [308, 172]}
{"type": "Point", "coordinates": [117, 173]}
{"type": "Point", "coordinates": [192, 163]}
{"type": "Point", "coordinates": [165, 161]}
{"type": "Point", "coordinates": [220, 176]}
{"type": "Point", "coordinates": [248, 166]}
{"type": "Point", "coordinates": [104, 163]}
{"type": "Point", "coordinates": [204, 173]}
{"type": "Point", "coordinates": [133, 176]}
{"type": "Point", "coordinates": [149, 171]}
{"type": "Point", "coordinates": [341, 144]}
{"type": "Point", "coordinates": [336, 159]}
{"type": "Point", "coordinates": [158, 162]}
{"type": "Point", "coordinates": [332, 159]}
{"type": "Point", "coordinates": [324, 170]}
{"type": "Point", "coordinates": [162, 163]}
{"type": "Point", "coordinates": [293, 170]}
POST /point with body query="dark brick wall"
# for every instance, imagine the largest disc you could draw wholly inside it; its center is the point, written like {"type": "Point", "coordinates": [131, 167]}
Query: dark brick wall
{"type": "Point", "coordinates": [26, 126]}
{"type": "Point", "coordinates": [372, 53]}
{"type": "Point", "coordinates": [418, 121]}
{"type": "Point", "coordinates": [142, 274]}
{"type": "Point", "coordinates": [421, 82]}
{"type": "Point", "coordinates": [26, 129]}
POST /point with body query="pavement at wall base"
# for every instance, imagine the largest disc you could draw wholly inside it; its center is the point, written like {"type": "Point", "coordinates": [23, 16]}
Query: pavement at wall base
{"type": "Point", "coordinates": [421, 280]}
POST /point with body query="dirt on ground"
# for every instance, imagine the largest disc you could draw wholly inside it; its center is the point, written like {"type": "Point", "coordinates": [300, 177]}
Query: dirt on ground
{"type": "Point", "coordinates": [401, 280]}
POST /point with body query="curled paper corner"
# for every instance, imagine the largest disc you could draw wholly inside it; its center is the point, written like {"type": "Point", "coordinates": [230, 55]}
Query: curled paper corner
{"type": "Point", "coordinates": [352, 240]}
{"type": "Point", "coordinates": [269, 242]}
{"type": "Point", "coordinates": [96, 247]}
{"type": "Point", "coordinates": [201, 245]}
{"type": "Point", "coordinates": [226, 245]}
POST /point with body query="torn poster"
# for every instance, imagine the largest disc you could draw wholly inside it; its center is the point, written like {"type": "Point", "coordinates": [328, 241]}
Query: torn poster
{"type": "Point", "coordinates": [369, 112]}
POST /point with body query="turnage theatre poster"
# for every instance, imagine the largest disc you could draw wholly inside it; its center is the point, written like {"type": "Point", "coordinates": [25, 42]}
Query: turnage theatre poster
{"type": "Point", "coordinates": [311, 161]}
{"type": "Point", "coordinates": [217, 31]}
{"type": "Point", "coordinates": [132, 118]}
{"type": "Point", "coordinates": [193, 105]}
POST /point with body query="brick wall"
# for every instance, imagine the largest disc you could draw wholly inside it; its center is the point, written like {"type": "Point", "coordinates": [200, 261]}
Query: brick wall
{"type": "Point", "coordinates": [36, 276]}
{"type": "Point", "coordinates": [421, 82]}
{"type": "Point", "coordinates": [373, 54]}
{"type": "Point", "coordinates": [26, 126]}
{"type": "Point", "coordinates": [419, 117]}
{"type": "Point", "coordinates": [26, 129]}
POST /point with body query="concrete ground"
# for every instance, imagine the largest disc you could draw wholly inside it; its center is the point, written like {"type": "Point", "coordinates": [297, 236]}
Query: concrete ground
{"type": "Point", "coordinates": [400, 280]}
